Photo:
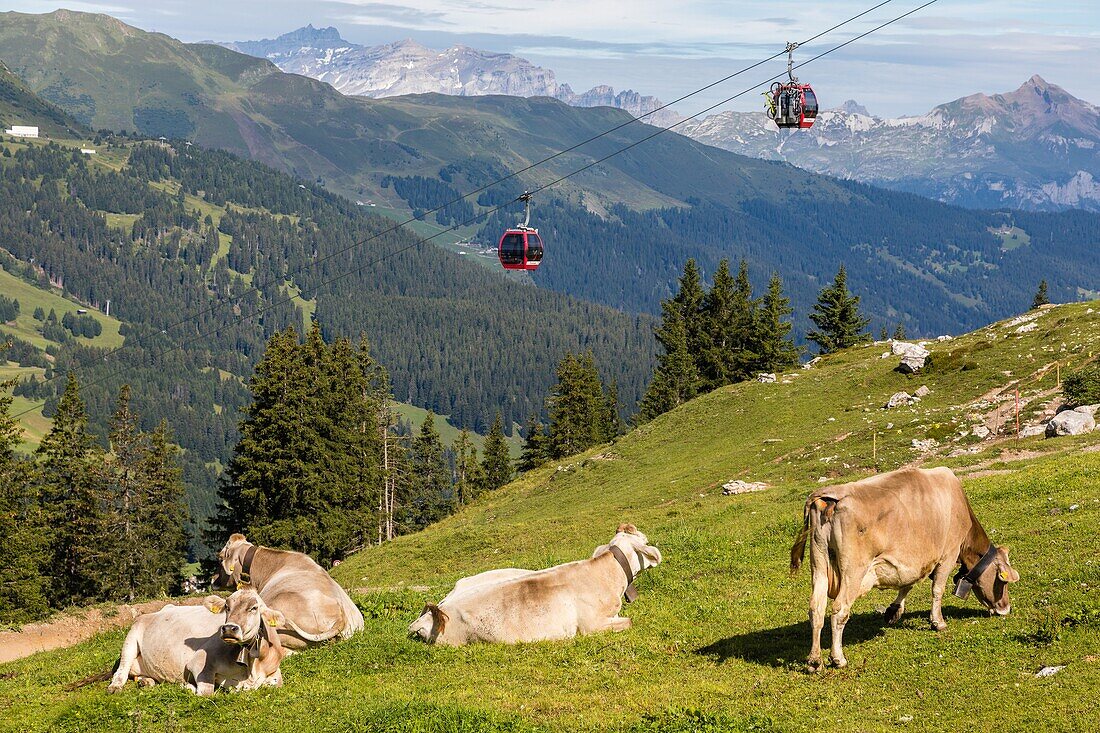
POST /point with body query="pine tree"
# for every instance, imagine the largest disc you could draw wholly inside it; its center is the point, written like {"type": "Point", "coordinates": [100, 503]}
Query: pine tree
{"type": "Point", "coordinates": [469, 478]}
{"type": "Point", "coordinates": [430, 488]}
{"type": "Point", "coordinates": [497, 462]}
{"type": "Point", "coordinates": [1041, 297]}
{"type": "Point", "coordinates": [164, 512]}
{"type": "Point", "coordinates": [74, 510]}
{"type": "Point", "coordinates": [837, 317]}
{"type": "Point", "coordinates": [689, 300]}
{"type": "Point", "coordinates": [899, 332]}
{"type": "Point", "coordinates": [22, 531]}
{"type": "Point", "coordinates": [716, 360]}
{"type": "Point", "coordinates": [776, 351]}
{"type": "Point", "coordinates": [676, 379]}
{"type": "Point", "coordinates": [534, 450]}
{"type": "Point", "coordinates": [119, 478]}
{"type": "Point", "coordinates": [578, 407]}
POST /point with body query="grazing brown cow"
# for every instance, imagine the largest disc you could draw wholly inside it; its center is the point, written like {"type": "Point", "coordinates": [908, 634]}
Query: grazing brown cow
{"type": "Point", "coordinates": [315, 606]}
{"type": "Point", "coordinates": [892, 531]}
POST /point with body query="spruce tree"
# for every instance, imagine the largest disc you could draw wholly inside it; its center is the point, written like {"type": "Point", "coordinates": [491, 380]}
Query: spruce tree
{"type": "Point", "coordinates": [899, 332]}
{"type": "Point", "coordinates": [534, 450]}
{"type": "Point", "coordinates": [676, 379]}
{"type": "Point", "coordinates": [837, 317]}
{"type": "Point", "coordinates": [689, 300]}
{"type": "Point", "coordinates": [164, 515]}
{"type": "Point", "coordinates": [1041, 297]}
{"type": "Point", "coordinates": [776, 351]}
{"type": "Point", "coordinates": [22, 530]}
{"type": "Point", "coordinates": [76, 564]}
{"type": "Point", "coordinates": [430, 487]}
{"type": "Point", "coordinates": [469, 478]}
{"type": "Point", "coordinates": [578, 407]}
{"type": "Point", "coordinates": [497, 463]}
{"type": "Point", "coordinates": [120, 480]}
{"type": "Point", "coordinates": [716, 360]}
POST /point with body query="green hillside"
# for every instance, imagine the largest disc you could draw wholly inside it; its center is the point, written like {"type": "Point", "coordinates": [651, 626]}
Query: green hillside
{"type": "Point", "coordinates": [617, 233]}
{"type": "Point", "coordinates": [720, 631]}
{"type": "Point", "coordinates": [20, 106]}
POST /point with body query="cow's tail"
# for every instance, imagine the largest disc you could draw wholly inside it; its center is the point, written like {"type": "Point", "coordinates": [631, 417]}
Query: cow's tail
{"type": "Point", "coordinates": [92, 679]}
{"type": "Point", "coordinates": [818, 509]}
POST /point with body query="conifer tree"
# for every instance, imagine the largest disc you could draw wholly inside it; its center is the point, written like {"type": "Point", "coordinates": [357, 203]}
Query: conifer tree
{"type": "Point", "coordinates": [534, 450]}
{"type": "Point", "coordinates": [776, 351]}
{"type": "Point", "coordinates": [469, 478]}
{"type": "Point", "coordinates": [22, 531]}
{"type": "Point", "coordinates": [430, 487]}
{"type": "Point", "coordinates": [689, 300]}
{"type": "Point", "coordinates": [1041, 297]}
{"type": "Point", "coordinates": [165, 513]}
{"type": "Point", "coordinates": [578, 407]}
{"type": "Point", "coordinates": [899, 332]}
{"type": "Point", "coordinates": [837, 317]}
{"type": "Point", "coordinates": [676, 379]}
{"type": "Point", "coordinates": [716, 360]}
{"type": "Point", "coordinates": [497, 463]}
{"type": "Point", "coordinates": [74, 510]}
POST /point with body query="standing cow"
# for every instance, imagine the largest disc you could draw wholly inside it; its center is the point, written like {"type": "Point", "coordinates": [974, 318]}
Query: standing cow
{"type": "Point", "coordinates": [892, 531]}
{"type": "Point", "coordinates": [315, 606]}
{"type": "Point", "coordinates": [512, 605]}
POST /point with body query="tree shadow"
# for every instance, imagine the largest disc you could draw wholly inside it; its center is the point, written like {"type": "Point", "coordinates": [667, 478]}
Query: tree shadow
{"type": "Point", "coordinates": [789, 645]}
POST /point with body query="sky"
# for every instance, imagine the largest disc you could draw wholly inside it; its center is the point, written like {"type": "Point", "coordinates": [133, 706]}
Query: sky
{"type": "Point", "coordinates": [668, 48]}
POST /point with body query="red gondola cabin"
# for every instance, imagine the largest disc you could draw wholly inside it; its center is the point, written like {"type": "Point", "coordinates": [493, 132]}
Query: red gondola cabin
{"type": "Point", "coordinates": [793, 105]}
{"type": "Point", "coordinates": [520, 249]}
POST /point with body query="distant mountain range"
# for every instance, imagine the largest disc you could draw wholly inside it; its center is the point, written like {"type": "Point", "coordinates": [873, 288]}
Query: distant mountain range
{"type": "Point", "coordinates": [406, 67]}
{"type": "Point", "coordinates": [1037, 148]}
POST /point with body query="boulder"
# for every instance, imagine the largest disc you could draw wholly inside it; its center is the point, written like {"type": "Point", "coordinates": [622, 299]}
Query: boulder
{"type": "Point", "coordinates": [925, 445]}
{"type": "Point", "coordinates": [904, 348]}
{"type": "Point", "coordinates": [900, 399]}
{"type": "Point", "coordinates": [911, 364]}
{"type": "Point", "coordinates": [737, 486]}
{"type": "Point", "coordinates": [1032, 430]}
{"type": "Point", "coordinates": [765, 378]}
{"type": "Point", "coordinates": [981, 431]}
{"type": "Point", "coordinates": [1088, 409]}
{"type": "Point", "coordinates": [1070, 422]}
{"type": "Point", "coordinates": [811, 363]}
{"type": "Point", "coordinates": [923, 391]}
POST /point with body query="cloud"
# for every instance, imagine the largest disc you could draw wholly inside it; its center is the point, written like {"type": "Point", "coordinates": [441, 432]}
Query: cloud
{"type": "Point", "coordinates": [370, 13]}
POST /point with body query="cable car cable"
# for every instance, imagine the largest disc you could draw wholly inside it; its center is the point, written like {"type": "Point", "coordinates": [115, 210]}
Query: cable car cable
{"type": "Point", "coordinates": [258, 311]}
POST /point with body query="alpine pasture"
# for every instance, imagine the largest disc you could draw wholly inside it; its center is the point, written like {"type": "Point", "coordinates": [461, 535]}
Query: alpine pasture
{"type": "Point", "coordinates": [720, 633]}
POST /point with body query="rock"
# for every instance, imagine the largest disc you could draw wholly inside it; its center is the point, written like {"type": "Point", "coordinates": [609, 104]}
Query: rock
{"type": "Point", "coordinates": [923, 391]}
{"type": "Point", "coordinates": [981, 431]}
{"type": "Point", "coordinates": [1070, 422]}
{"type": "Point", "coordinates": [1032, 430]}
{"type": "Point", "coordinates": [903, 348]}
{"type": "Point", "coordinates": [900, 399]}
{"type": "Point", "coordinates": [765, 378]}
{"type": "Point", "coordinates": [924, 445]}
{"type": "Point", "coordinates": [944, 338]}
{"type": "Point", "coordinates": [1027, 327]}
{"type": "Point", "coordinates": [1050, 671]}
{"type": "Point", "coordinates": [911, 364]}
{"type": "Point", "coordinates": [1088, 409]}
{"type": "Point", "coordinates": [885, 355]}
{"type": "Point", "coordinates": [737, 486]}
{"type": "Point", "coordinates": [811, 363]}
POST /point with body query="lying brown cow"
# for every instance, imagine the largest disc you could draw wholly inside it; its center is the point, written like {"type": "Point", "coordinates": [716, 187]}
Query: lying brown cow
{"type": "Point", "coordinates": [204, 649]}
{"type": "Point", "coordinates": [511, 605]}
{"type": "Point", "coordinates": [315, 606]}
{"type": "Point", "coordinates": [892, 531]}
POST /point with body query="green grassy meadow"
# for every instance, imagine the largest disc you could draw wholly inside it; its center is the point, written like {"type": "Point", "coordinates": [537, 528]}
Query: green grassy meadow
{"type": "Point", "coordinates": [720, 632]}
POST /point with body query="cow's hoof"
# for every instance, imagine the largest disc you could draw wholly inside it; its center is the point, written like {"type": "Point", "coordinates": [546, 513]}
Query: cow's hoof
{"type": "Point", "coordinates": [813, 664]}
{"type": "Point", "coordinates": [113, 688]}
{"type": "Point", "coordinates": [893, 613]}
{"type": "Point", "coordinates": [939, 625]}
{"type": "Point", "coordinates": [840, 663]}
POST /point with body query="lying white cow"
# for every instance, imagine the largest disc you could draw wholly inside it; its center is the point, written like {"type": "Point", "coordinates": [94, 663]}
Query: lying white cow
{"type": "Point", "coordinates": [204, 649]}
{"type": "Point", "coordinates": [510, 605]}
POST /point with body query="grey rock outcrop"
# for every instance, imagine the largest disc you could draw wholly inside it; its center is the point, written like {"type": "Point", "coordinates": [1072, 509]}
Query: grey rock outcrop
{"type": "Point", "coordinates": [1070, 422]}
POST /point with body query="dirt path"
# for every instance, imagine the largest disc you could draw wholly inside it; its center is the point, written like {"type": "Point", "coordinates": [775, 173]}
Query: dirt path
{"type": "Point", "coordinates": [69, 630]}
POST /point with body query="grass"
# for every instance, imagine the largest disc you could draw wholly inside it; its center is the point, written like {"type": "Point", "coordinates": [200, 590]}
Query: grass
{"type": "Point", "coordinates": [720, 630]}
{"type": "Point", "coordinates": [1012, 237]}
{"type": "Point", "coordinates": [448, 433]}
{"type": "Point", "coordinates": [31, 296]}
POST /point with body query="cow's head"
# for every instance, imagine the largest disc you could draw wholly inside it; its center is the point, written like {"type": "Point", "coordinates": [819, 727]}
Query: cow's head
{"type": "Point", "coordinates": [246, 616]}
{"type": "Point", "coordinates": [229, 559]}
{"type": "Point", "coordinates": [432, 623]}
{"type": "Point", "coordinates": [635, 546]}
{"type": "Point", "coordinates": [991, 588]}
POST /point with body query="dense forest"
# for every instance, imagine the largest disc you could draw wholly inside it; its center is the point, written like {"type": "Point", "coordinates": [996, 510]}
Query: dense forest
{"type": "Point", "coordinates": [200, 262]}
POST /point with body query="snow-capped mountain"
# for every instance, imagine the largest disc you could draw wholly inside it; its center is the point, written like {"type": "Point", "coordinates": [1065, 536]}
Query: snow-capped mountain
{"type": "Point", "coordinates": [1035, 148]}
{"type": "Point", "coordinates": [406, 67]}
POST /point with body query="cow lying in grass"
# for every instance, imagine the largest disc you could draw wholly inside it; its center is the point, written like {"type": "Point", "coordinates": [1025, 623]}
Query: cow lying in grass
{"type": "Point", "coordinates": [203, 648]}
{"type": "Point", "coordinates": [511, 605]}
{"type": "Point", "coordinates": [892, 531]}
{"type": "Point", "coordinates": [316, 608]}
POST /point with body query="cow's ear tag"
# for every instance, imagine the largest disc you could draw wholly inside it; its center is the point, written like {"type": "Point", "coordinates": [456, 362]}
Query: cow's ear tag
{"type": "Point", "coordinates": [1003, 576]}
{"type": "Point", "coordinates": [962, 590]}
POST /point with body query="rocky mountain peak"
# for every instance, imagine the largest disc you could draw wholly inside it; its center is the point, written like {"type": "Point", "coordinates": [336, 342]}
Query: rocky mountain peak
{"type": "Point", "coordinates": [318, 37]}
{"type": "Point", "coordinates": [853, 107]}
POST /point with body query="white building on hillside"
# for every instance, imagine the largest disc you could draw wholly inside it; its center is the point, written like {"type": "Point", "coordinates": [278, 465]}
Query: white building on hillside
{"type": "Point", "coordinates": [22, 131]}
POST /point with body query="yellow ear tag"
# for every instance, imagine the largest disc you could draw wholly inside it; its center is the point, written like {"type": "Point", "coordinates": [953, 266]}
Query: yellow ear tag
{"type": "Point", "coordinates": [1003, 576]}
{"type": "Point", "coordinates": [211, 610]}
{"type": "Point", "coordinates": [232, 568]}
{"type": "Point", "coordinates": [274, 622]}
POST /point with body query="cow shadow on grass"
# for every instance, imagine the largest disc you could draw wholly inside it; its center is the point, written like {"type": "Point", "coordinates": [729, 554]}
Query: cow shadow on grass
{"type": "Point", "coordinates": [789, 645]}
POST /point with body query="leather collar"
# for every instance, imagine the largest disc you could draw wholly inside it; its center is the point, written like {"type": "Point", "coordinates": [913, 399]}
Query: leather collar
{"type": "Point", "coordinates": [244, 574]}
{"type": "Point", "coordinates": [963, 583]}
{"type": "Point", "coordinates": [631, 593]}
